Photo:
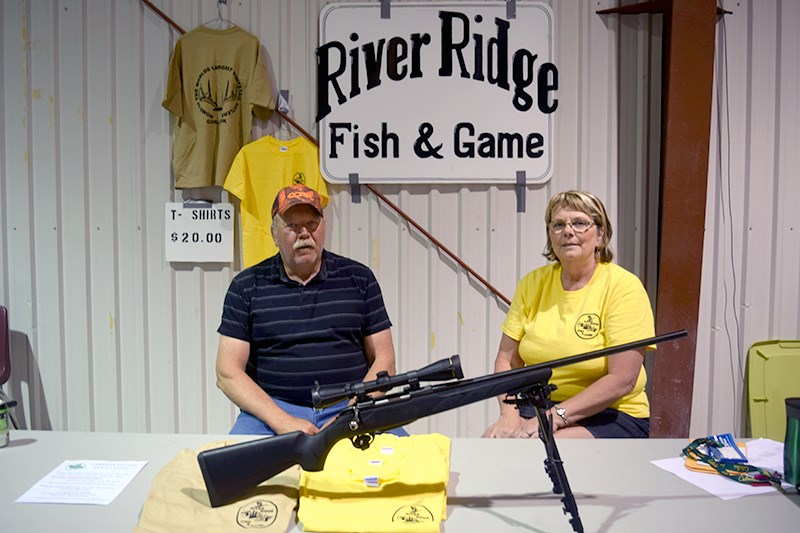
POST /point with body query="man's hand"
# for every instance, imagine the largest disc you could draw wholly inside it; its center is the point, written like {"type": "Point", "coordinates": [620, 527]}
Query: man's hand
{"type": "Point", "coordinates": [289, 424]}
{"type": "Point", "coordinates": [247, 395]}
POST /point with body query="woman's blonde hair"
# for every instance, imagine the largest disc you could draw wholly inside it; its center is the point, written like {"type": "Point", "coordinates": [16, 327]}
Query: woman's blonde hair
{"type": "Point", "coordinates": [589, 204]}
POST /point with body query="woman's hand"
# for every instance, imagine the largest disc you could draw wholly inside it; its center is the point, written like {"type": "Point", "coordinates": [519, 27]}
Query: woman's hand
{"type": "Point", "coordinates": [514, 426]}
{"type": "Point", "coordinates": [527, 429]}
{"type": "Point", "coordinates": [507, 426]}
{"type": "Point", "coordinates": [509, 422]}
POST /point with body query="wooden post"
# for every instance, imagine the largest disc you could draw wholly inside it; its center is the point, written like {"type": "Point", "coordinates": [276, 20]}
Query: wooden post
{"type": "Point", "coordinates": [689, 39]}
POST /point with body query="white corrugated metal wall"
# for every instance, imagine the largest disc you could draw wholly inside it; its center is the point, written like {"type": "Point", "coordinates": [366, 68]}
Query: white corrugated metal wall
{"type": "Point", "coordinates": [751, 258]}
{"type": "Point", "coordinates": [106, 335]}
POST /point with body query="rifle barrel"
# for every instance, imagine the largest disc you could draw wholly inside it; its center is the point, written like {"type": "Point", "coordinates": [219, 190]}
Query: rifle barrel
{"type": "Point", "coordinates": [611, 350]}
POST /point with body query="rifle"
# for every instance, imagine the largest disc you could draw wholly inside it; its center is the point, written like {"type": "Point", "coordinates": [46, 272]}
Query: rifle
{"type": "Point", "coordinates": [232, 471]}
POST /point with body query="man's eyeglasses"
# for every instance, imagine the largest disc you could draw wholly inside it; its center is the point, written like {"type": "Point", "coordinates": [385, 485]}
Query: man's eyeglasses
{"type": "Point", "coordinates": [578, 226]}
{"type": "Point", "coordinates": [311, 226]}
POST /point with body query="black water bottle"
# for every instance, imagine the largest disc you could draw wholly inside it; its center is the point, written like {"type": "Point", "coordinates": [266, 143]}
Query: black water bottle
{"type": "Point", "coordinates": [791, 444]}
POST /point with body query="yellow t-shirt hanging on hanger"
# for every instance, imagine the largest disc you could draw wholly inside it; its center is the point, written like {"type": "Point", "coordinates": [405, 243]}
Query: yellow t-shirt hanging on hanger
{"type": "Point", "coordinates": [259, 171]}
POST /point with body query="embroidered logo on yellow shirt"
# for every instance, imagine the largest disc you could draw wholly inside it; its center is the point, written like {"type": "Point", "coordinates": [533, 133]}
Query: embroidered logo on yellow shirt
{"type": "Point", "coordinates": [587, 326]}
{"type": "Point", "coordinates": [413, 514]}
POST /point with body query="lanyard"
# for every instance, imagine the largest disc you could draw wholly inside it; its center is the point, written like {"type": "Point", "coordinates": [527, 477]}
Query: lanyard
{"type": "Point", "coordinates": [741, 472]}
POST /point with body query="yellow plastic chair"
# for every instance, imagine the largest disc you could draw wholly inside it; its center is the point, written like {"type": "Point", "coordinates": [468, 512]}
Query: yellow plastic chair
{"type": "Point", "coordinates": [773, 374]}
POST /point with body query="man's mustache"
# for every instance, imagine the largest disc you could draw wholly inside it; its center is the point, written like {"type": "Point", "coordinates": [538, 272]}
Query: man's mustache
{"type": "Point", "coordinates": [300, 243]}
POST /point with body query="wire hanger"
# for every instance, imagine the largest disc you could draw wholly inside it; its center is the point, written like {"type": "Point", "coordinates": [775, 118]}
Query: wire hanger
{"type": "Point", "coordinates": [284, 131]}
{"type": "Point", "coordinates": [219, 23]}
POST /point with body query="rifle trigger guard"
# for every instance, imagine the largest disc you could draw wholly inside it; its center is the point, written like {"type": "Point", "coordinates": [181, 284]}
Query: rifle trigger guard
{"type": "Point", "coordinates": [362, 442]}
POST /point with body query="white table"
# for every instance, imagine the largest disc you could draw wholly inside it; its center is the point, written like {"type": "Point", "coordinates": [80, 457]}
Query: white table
{"type": "Point", "coordinates": [496, 486]}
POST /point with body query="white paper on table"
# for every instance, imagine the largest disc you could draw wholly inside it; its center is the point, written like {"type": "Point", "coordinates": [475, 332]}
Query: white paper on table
{"type": "Point", "coordinates": [85, 481]}
{"type": "Point", "coordinates": [764, 453]}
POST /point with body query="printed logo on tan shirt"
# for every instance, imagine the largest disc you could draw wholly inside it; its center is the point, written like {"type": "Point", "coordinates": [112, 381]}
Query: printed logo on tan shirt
{"type": "Point", "coordinates": [257, 515]}
{"type": "Point", "coordinates": [217, 93]}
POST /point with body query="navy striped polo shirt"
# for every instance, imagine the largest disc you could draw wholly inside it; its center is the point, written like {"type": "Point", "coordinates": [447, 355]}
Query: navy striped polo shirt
{"type": "Point", "coordinates": [300, 334]}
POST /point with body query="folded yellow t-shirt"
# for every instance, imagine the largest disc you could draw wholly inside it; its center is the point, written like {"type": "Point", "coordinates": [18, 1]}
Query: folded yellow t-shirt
{"type": "Point", "coordinates": [397, 484]}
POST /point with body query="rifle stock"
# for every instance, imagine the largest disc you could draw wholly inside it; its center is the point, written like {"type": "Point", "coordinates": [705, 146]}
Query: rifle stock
{"type": "Point", "coordinates": [232, 471]}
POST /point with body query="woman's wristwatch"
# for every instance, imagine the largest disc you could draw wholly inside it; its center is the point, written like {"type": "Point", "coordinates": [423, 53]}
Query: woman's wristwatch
{"type": "Point", "coordinates": [562, 414]}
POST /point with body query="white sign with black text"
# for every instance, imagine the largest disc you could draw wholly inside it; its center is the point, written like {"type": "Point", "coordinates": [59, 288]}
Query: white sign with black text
{"type": "Point", "coordinates": [199, 233]}
{"type": "Point", "coordinates": [447, 92]}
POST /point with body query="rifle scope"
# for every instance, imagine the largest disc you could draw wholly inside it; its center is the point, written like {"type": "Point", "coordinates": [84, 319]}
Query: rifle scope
{"type": "Point", "coordinates": [442, 370]}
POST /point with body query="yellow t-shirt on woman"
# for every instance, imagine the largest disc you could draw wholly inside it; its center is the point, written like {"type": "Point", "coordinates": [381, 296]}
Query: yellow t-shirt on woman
{"type": "Point", "coordinates": [552, 323]}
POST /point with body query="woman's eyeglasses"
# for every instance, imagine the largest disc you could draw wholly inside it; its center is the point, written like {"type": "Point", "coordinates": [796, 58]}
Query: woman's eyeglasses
{"type": "Point", "coordinates": [578, 226]}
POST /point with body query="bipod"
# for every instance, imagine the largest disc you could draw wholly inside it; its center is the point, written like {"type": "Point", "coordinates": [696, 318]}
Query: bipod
{"type": "Point", "coordinates": [535, 401]}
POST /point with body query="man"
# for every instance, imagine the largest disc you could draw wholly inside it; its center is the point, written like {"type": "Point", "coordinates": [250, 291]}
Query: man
{"type": "Point", "coordinates": [302, 316]}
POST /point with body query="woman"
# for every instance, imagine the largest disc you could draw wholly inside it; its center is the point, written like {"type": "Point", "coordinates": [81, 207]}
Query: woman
{"type": "Point", "coordinates": [579, 303]}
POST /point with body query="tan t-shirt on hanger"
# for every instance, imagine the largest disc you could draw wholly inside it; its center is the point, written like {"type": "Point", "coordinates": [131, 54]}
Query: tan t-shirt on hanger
{"type": "Point", "coordinates": [216, 82]}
